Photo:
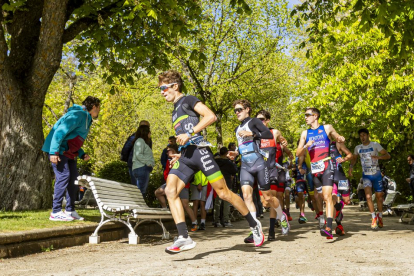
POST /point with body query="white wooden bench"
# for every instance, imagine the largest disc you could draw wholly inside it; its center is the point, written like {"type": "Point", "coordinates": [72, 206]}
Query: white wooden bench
{"type": "Point", "coordinates": [123, 203]}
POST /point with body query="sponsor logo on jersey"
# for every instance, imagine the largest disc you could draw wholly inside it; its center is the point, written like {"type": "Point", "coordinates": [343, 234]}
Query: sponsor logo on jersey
{"type": "Point", "coordinates": [320, 131]}
{"type": "Point", "coordinates": [176, 165]}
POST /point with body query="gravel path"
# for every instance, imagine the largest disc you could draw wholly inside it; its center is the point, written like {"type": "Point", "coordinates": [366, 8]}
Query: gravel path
{"type": "Point", "coordinates": [221, 251]}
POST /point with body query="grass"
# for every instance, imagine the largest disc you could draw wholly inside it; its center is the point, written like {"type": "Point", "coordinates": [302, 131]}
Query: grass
{"type": "Point", "coordinates": [28, 220]}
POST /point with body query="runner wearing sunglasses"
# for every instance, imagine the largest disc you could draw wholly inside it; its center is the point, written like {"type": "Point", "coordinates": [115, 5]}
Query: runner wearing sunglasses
{"type": "Point", "coordinates": [195, 156]}
{"type": "Point", "coordinates": [316, 141]}
{"type": "Point", "coordinates": [253, 165]}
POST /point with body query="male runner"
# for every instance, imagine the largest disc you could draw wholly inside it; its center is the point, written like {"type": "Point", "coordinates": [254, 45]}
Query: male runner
{"type": "Point", "coordinates": [301, 186]}
{"type": "Point", "coordinates": [249, 134]}
{"type": "Point", "coordinates": [316, 140]}
{"type": "Point", "coordinates": [269, 149]}
{"type": "Point", "coordinates": [371, 173]}
{"type": "Point", "coordinates": [195, 156]}
{"type": "Point", "coordinates": [341, 183]}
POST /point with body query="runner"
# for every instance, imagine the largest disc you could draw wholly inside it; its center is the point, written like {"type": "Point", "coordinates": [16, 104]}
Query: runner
{"type": "Point", "coordinates": [268, 147]}
{"type": "Point", "coordinates": [288, 183]}
{"type": "Point", "coordinates": [341, 184]}
{"type": "Point", "coordinates": [301, 187]}
{"type": "Point", "coordinates": [195, 156]}
{"type": "Point", "coordinates": [283, 175]}
{"type": "Point", "coordinates": [316, 140]}
{"type": "Point", "coordinates": [368, 152]}
{"type": "Point", "coordinates": [248, 134]}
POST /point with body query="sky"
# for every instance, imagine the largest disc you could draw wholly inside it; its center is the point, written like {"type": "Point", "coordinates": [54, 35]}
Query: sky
{"type": "Point", "coordinates": [293, 2]}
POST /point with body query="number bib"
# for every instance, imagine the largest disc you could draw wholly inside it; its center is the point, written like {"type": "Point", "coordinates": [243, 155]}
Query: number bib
{"type": "Point", "coordinates": [343, 185]}
{"type": "Point", "coordinates": [264, 153]}
{"type": "Point", "coordinates": [317, 167]}
{"type": "Point", "coordinates": [370, 170]}
{"type": "Point", "coordinates": [246, 148]}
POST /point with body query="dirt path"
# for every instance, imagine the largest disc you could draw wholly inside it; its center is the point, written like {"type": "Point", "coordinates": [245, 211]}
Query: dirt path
{"type": "Point", "coordinates": [221, 251]}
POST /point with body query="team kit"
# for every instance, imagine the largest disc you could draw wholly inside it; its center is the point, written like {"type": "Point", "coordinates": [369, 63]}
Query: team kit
{"type": "Point", "coordinates": [317, 167]}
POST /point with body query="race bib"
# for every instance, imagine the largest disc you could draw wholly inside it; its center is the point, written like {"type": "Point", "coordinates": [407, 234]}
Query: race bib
{"type": "Point", "coordinates": [317, 167]}
{"type": "Point", "coordinates": [264, 153]}
{"type": "Point", "coordinates": [370, 170]}
{"type": "Point", "coordinates": [246, 148]}
{"type": "Point", "coordinates": [343, 185]}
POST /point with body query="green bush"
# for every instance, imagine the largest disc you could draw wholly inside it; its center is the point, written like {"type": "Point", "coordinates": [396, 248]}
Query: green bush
{"type": "Point", "coordinates": [156, 180]}
{"type": "Point", "coordinates": [116, 171]}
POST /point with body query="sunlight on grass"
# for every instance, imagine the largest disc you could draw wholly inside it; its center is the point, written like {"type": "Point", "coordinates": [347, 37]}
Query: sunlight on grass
{"type": "Point", "coordinates": [29, 220]}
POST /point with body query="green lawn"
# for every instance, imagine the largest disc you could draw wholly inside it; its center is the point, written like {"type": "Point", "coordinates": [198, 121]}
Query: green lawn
{"type": "Point", "coordinates": [28, 220]}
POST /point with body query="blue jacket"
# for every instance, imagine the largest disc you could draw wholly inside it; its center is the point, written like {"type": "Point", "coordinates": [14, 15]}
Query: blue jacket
{"type": "Point", "coordinates": [68, 134]}
{"type": "Point", "coordinates": [127, 150]}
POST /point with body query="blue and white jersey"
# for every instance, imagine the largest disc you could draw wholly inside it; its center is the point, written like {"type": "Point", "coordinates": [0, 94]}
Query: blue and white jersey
{"type": "Point", "coordinates": [369, 166]}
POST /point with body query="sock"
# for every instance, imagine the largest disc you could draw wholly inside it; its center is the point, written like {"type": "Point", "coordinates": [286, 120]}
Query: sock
{"type": "Point", "coordinates": [287, 212]}
{"type": "Point", "coordinates": [272, 225]}
{"type": "Point", "coordinates": [373, 215]}
{"type": "Point", "coordinates": [338, 206]}
{"type": "Point", "coordinates": [279, 212]}
{"type": "Point", "coordinates": [380, 214]}
{"type": "Point", "coordinates": [329, 222]}
{"type": "Point", "coordinates": [320, 214]}
{"type": "Point", "coordinates": [182, 229]}
{"type": "Point", "coordinates": [253, 214]}
{"type": "Point", "coordinates": [194, 222]}
{"type": "Point", "coordinates": [302, 214]}
{"type": "Point", "coordinates": [203, 221]}
{"type": "Point", "coordinates": [252, 221]}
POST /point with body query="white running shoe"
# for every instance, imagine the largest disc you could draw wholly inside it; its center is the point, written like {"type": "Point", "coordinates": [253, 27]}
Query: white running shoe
{"type": "Point", "coordinates": [285, 224]}
{"type": "Point", "coordinates": [60, 216]}
{"type": "Point", "coordinates": [180, 244]}
{"type": "Point", "coordinates": [74, 215]}
{"type": "Point", "coordinates": [322, 222]}
{"type": "Point", "coordinates": [258, 235]}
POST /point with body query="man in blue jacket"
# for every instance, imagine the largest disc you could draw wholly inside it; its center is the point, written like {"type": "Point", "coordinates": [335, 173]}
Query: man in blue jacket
{"type": "Point", "coordinates": [63, 144]}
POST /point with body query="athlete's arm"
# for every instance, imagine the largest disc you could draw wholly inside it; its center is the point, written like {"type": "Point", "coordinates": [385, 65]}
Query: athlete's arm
{"type": "Point", "coordinates": [384, 155]}
{"type": "Point", "coordinates": [302, 147]}
{"type": "Point", "coordinates": [354, 159]}
{"type": "Point", "coordinates": [344, 151]}
{"type": "Point", "coordinates": [300, 164]}
{"type": "Point", "coordinates": [288, 153]}
{"type": "Point", "coordinates": [259, 130]}
{"type": "Point", "coordinates": [208, 118]}
{"type": "Point", "coordinates": [277, 136]}
{"type": "Point", "coordinates": [330, 131]}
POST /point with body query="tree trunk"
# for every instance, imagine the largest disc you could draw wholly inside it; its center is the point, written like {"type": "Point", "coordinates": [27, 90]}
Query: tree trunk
{"type": "Point", "coordinates": [25, 172]}
{"type": "Point", "coordinates": [219, 132]}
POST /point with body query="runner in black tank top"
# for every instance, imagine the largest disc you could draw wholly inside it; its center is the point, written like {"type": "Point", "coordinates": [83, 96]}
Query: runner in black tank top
{"type": "Point", "coordinates": [194, 157]}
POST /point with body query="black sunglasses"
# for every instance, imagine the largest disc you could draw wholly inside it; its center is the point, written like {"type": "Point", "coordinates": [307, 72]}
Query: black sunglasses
{"type": "Point", "coordinates": [237, 110]}
{"type": "Point", "coordinates": [262, 119]}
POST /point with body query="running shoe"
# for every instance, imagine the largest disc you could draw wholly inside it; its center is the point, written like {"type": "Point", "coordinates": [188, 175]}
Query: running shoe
{"type": "Point", "coordinates": [194, 227]}
{"type": "Point", "coordinates": [74, 215]}
{"type": "Point", "coordinates": [228, 224]}
{"type": "Point", "coordinates": [302, 220]}
{"type": "Point", "coordinates": [317, 217]}
{"type": "Point", "coordinates": [340, 230]}
{"type": "Point", "coordinates": [217, 224]}
{"type": "Point", "coordinates": [202, 226]}
{"type": "Point", "coordinates": [338, 217]}
{"type": "Point", "coordinates": [338, 213]}
{"type": "Point", "coordinates": [258, 235]}
{"type": "Point", "coordinates": [289, 218]}
{"type": "Point", "coordinates": [249, 239]}
{"type": "Point", "coordinates": [321, 221]}
{"type": "Point", "coordinates": [180, 244]}
{"type": "Point", "coordinates": [60, 216]}
{"type": "Point", "coordinates": [374, 223]}
{"type": "Point", "coordinates": [326, 232]}
{"type": "Point", "coordinates": [271, 237]}
{"type": "Point", "coordinates": [380, 224]}
{"type": "Point", "coordinates": [285, 224]}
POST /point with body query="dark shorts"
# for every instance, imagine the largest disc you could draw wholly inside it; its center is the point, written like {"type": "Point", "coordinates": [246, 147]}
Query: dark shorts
{"type": "Point", "coordinates": [195, 159]}
{"type": "Point", "coordinates": [280, 182]}
{"type": "Point", "coordinates": [259, 170]}
{"type": "Point", "coordinates": [301, 186]}
{"type": "Point", "coordinates": [324, 178]}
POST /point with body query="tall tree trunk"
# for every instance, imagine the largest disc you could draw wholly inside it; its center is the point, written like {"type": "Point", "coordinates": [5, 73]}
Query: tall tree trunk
{"type": "Point", "coordinates": [219, 131]}
{"type": "Point", "coordinates": [25, 172]}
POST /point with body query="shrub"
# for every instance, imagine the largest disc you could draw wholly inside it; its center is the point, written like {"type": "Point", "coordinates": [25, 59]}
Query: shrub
{"type": "Point", "coordinates": [116, 171]}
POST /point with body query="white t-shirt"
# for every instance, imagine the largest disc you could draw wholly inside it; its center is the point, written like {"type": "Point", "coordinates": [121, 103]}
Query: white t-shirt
{"type": "Point", "coordinates": [369, 166]}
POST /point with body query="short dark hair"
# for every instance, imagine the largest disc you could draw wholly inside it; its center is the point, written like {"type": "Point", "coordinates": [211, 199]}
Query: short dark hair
{"type": "Point", "coordinates": [171, 76]}
{"type": "Point", "coordinates": [412, 156]}
{"type": "Point", "coordinates": [223, 151]}
{"type": "Point", "coordinates": [363, 130]}
{"type": "Point", "coordinates": [244, 103]}
{"type": "Point", "coordinates": [314, 111]}
{"type": "Point", "coordinates": [231, 144]}
{"type": "Point", "coordinates": [90, 102]}
{"type": "Point", "coordinates": [172, 137]}
{"type": "Point", "coordinates": [265, 113]}
{"type": "Point", "coordinates": [173, 147]}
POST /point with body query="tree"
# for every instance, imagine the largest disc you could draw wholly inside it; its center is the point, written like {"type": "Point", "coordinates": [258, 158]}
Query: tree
{"type": "Point", "coordinates": [238, 56]}
{"type": "Point", "coordinates": [127, 35]}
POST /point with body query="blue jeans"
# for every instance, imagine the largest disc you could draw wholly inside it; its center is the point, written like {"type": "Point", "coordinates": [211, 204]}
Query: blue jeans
{"type": "Point", "coordinates": [133, 179]}
{"type": "Point", "coordinates": [142, 176]}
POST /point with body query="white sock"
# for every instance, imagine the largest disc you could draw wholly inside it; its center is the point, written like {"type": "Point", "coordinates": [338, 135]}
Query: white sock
{"type": "Point", "coordinates": [279, 212]}
{"type": "Point", "coordinates": [203, 221]}
{"type": "Point", "coordinates": [373, 215]}
{"type": "Point", "coordinates": [253, 214]}
{"type": "Point", "coordinates": [380, 214]}
{"type": "Point", "coordinates": [195, 222]}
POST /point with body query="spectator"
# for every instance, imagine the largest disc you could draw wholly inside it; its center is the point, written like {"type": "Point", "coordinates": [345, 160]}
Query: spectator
{"type": "Point", "coordinates": [410, 180]}
{"type": "Point", "coordinates": [229, 170]}
{"type": "Point", "coordinates": [164, 155]}
{"type": "Point", "coordinates": [127, 151]}
{"type": "Point", "coordinates": [143, 159]}
{"type": "Point", "coordinates": [198, 197]}
{"type": "Point", "coordinates": [63, 144]}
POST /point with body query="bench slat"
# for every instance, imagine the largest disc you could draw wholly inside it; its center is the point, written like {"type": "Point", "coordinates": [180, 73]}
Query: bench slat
{"type": "Point", "coordinates": [117, 186]}
{"type": "Point", "coordinates": [127, 196]}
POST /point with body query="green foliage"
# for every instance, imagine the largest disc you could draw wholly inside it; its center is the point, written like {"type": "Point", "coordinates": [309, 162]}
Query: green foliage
{"type": "Point", "coordinates": [116, 171]}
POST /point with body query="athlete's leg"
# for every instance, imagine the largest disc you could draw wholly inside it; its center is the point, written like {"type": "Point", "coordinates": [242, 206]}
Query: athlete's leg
{"type": "Point", "coordinates": [368, 196]}
{"type": "Point", "coordinates": [172, 190]}
{"type": "Point", "coordinates": [248, 198]}
{"type": "Point", "coordinates": [188, 209]}
{"type": "Point", "coordinates": [160, 195]}
{"type": "Point", "coordinates": [203, 210]}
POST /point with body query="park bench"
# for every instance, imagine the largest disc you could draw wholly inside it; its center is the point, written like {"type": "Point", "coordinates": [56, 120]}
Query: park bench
{"type": "Point", "coordinates": [363, 205]}
{"type": "Point", "coordinates": [120, 202]}
{"type": "Point", "coordinates": [406, 211]}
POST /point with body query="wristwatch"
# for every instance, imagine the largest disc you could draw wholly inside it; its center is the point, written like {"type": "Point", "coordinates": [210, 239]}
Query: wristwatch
{"type": "Point", "coordinates": [191, 131]}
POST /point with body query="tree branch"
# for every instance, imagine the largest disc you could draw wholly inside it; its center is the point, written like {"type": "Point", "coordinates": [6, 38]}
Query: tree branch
{"type": "Point", "coordinates": [3, 44]}
{"type": "Point", "coordinates": [51, 111]}
{"type": "Point", "coordinates": [85, 23]}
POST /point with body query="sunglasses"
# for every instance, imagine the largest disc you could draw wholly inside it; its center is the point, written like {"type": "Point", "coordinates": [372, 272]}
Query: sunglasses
{"type": "Point", "coordinates": [308, 115]}
{"type": "Point", "coordinates": [166, 86]}
{"type": "Point", "coordinates": [237, 110]}
{"type": "Point", "coordinates": [261, 119]}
